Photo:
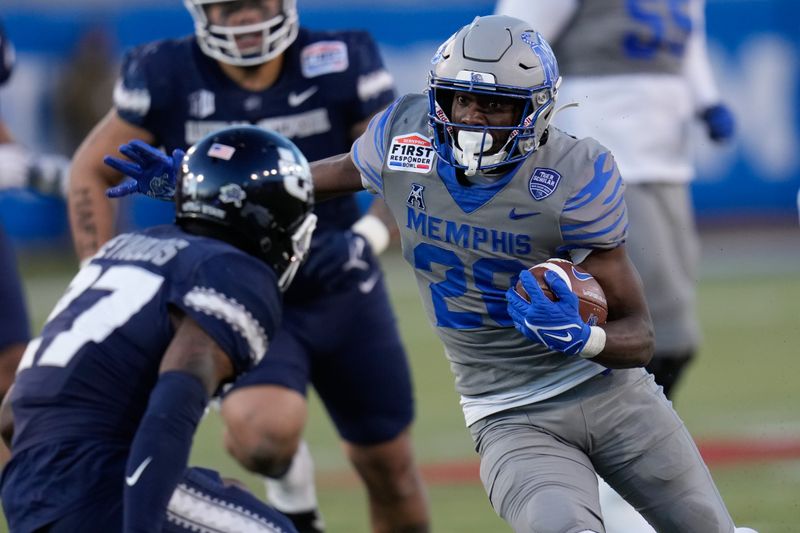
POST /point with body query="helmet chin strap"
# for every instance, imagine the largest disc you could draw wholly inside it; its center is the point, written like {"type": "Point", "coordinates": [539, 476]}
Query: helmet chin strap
{"type": "Point", "coordinates": [471, 145]}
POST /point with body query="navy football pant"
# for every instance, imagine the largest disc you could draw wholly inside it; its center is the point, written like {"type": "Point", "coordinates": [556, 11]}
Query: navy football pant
{"type": "Point", "coordinates": [348, 346]}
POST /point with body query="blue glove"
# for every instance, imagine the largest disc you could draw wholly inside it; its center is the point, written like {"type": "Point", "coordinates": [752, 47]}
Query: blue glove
{"type": "Point", "coordinates": [150, 171]}
{"type": "Point", "coordinates": [338, 259]}
{"type": "Point", "coordinates": [719, 122]}
{"type": "Point", "coordinates": [558, 324]}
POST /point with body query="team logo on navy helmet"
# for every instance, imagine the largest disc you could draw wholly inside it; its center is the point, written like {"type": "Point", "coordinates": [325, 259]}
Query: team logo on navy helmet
{"type": "Point", "coordinates": [415, 198]}
{"type": "Point", "coordinates": [232, 194]}
{"type": "Point", "coordinates": [543, 182]}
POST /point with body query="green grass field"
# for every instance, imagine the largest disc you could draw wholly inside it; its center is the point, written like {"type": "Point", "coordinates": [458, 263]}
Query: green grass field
{"type": "Point", "coordinates": [744, 386]}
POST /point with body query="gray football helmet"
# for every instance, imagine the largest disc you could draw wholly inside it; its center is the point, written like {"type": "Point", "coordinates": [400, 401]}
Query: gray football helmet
{"type": "Point", "coordinates": [220, 42]}
{"type": "Point", "coordinates": [499, 56]}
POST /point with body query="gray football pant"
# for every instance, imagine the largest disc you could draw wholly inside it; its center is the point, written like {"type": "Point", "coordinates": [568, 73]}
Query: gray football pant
{"type": "Point", "coordinates": [664, 246]}
{"type": "Point", "coordinates": [538, 462]}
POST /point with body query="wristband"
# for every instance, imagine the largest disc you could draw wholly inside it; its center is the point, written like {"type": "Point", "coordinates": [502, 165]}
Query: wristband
{"type": "Point", "coordinates": [374, 231]}
{"type": "Point", "coordinates": [595, 343]}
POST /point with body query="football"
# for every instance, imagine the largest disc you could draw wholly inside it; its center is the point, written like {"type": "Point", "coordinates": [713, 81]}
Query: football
{"type": "Point", "coordinates": [592, 304]}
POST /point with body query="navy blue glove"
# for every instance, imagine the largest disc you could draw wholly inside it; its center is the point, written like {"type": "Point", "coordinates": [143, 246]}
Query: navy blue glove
{"type": "Point", "coordinates": [339, 259]}
{"type": "Point", "coordinates": [557, 325]}
{"type": "Point", "coordinates": [719, 122]}
{"type": "Point", "coordinates": [150, 171]}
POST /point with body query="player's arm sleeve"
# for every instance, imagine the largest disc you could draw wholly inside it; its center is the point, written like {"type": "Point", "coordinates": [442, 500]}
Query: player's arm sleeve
{"type": "Point", "coordinates": [375, 87]}
{"type": "Point", "coordinates": [545, 16]}
{"type": "Point", "coordinates": [697, 67]}
{"type": "Point", "coordinates": [594, 216]}
{"type": "Point", "coordinates": [160, 450]}
{"type": "Point", "coordinates": [369, 150]}
{"type": "Point", "coordinates": [235, 299]}
{"type": "Point", "coordinates": [140, 93]}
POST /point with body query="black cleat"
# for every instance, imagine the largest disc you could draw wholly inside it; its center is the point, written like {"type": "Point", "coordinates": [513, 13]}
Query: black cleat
{"type": "Point", "coordinates": [307, 521]}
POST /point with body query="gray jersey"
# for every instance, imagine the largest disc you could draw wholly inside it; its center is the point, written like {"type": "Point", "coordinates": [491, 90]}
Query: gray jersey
{"type": "Point", "coordinates": [468, 243]}
{"type": "Point", "coordinates": [621, 37]}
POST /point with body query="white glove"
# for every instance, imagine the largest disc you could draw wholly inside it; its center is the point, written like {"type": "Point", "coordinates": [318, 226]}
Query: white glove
{"type": "Point", "coordinates": [21, 168]}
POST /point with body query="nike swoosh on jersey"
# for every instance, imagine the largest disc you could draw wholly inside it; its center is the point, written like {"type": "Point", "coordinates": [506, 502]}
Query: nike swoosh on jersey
{"type": "Point", "coordinates": [295, 99]}
{"type": "Point", "coordinates": [133, 478]}
{"type": "Point", "coordinates": [513, 215]}
{"type": "Point", "coordinates": [368, 284]}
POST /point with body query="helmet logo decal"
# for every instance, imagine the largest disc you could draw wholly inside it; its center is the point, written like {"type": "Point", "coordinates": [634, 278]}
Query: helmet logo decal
{"type": "Point", "coordinates": [543, 182]}
{"type": "Point", "coordinates": [438, 57]}
{"type": "Point", "coordinates": [415, 198]}
{"type": "Point", "coordinates": [411, 153]}
{"type": "Point", "coordinates": [473, 76]}
{"type": "Point", "coordinates": [542, 49]}
{"type": "Point", "coordinates": [221, 151]}
{"type": "Point", "coordinates": [232, 193]}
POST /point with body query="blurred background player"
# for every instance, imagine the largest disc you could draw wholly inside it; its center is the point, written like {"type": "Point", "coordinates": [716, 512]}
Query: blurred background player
{"type": "Point", "coordinates": [640, 73]}
{"type": "Point", "coordinates": [108, 397]}
{"type": "Point", "coordinates": [14, 325]}
{"type": "Point", "coordinates": [19, 168]}
{"type": "Point", "coordinates": [249, 62]}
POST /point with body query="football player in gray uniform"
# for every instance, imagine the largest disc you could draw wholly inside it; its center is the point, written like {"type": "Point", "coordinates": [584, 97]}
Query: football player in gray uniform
{"type": "Point", "coordinates": [640, 71]}
{"type": "Point", "coordinates": [482, 187]}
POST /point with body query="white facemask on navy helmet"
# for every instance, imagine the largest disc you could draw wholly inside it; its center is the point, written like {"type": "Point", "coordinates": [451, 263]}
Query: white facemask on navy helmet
{"type": "Point", "coordinates": [498, 56]}
{"type": "Point", "coordinates": [277, 31]}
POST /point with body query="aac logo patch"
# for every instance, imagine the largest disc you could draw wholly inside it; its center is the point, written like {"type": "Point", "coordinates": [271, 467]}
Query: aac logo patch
{"type": "Point", "coordinates": [411, 153]}
{"type": "Point", "coordinates": [543, 182]}
{"type": "Point", "coordinates": [415, 198]}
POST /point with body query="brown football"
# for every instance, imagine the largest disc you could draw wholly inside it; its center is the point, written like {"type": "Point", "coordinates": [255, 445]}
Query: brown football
{"type": "Point", "coordinates": [592, 304]}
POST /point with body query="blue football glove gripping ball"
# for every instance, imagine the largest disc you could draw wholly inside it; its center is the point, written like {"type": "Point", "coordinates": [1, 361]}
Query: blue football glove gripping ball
{"type": "Point", "coordinates": [341, 258]}
{"type": "Point", "coordinates": [720, 122]}
{"type": "Point", "coordinates": [150, 171]}
{"type": "Point", "coordinates": [558, 324]}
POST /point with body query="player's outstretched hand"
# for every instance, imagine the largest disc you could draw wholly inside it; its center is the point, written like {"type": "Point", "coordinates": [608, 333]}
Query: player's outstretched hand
{"type": "Point", "coordinates": [720, 122]}
{"type": "Point", "coordinates": [150, 171]}
{"type": "Point", "coordinates": [556, 324]}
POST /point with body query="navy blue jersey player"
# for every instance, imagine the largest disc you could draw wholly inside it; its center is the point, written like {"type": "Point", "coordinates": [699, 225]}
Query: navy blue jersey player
{"type": "Point", "coordinates": [108, 397]}
{"type": "Point", "coordinates": [250, 62]}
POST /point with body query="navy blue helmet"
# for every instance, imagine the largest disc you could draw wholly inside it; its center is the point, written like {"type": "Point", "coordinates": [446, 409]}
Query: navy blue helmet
{"type": "Point", "coordinates": [252, 188]}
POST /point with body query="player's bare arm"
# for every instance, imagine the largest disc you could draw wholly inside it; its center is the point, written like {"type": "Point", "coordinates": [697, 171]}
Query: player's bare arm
{"type": "Point", "coordinates": [194, 352]}
{"type": "Point", "coordinates": [91, 214]}
{"type": "Point", "coordinates": [6, 422]}
{"type": "Point", "coordinates": [334, 176]}
{"type": "Point", "coordinates": [629, 331]}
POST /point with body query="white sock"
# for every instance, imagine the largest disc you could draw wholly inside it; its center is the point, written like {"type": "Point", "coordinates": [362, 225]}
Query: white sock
{"type": "Point", "coordinates": [295, 491]}
{"type": "Point", "coordinates": [618, 515]}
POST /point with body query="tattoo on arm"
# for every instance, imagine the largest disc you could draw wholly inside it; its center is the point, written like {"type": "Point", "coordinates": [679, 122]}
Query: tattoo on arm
{"type": "Point", "coordinates": [86, 234]}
